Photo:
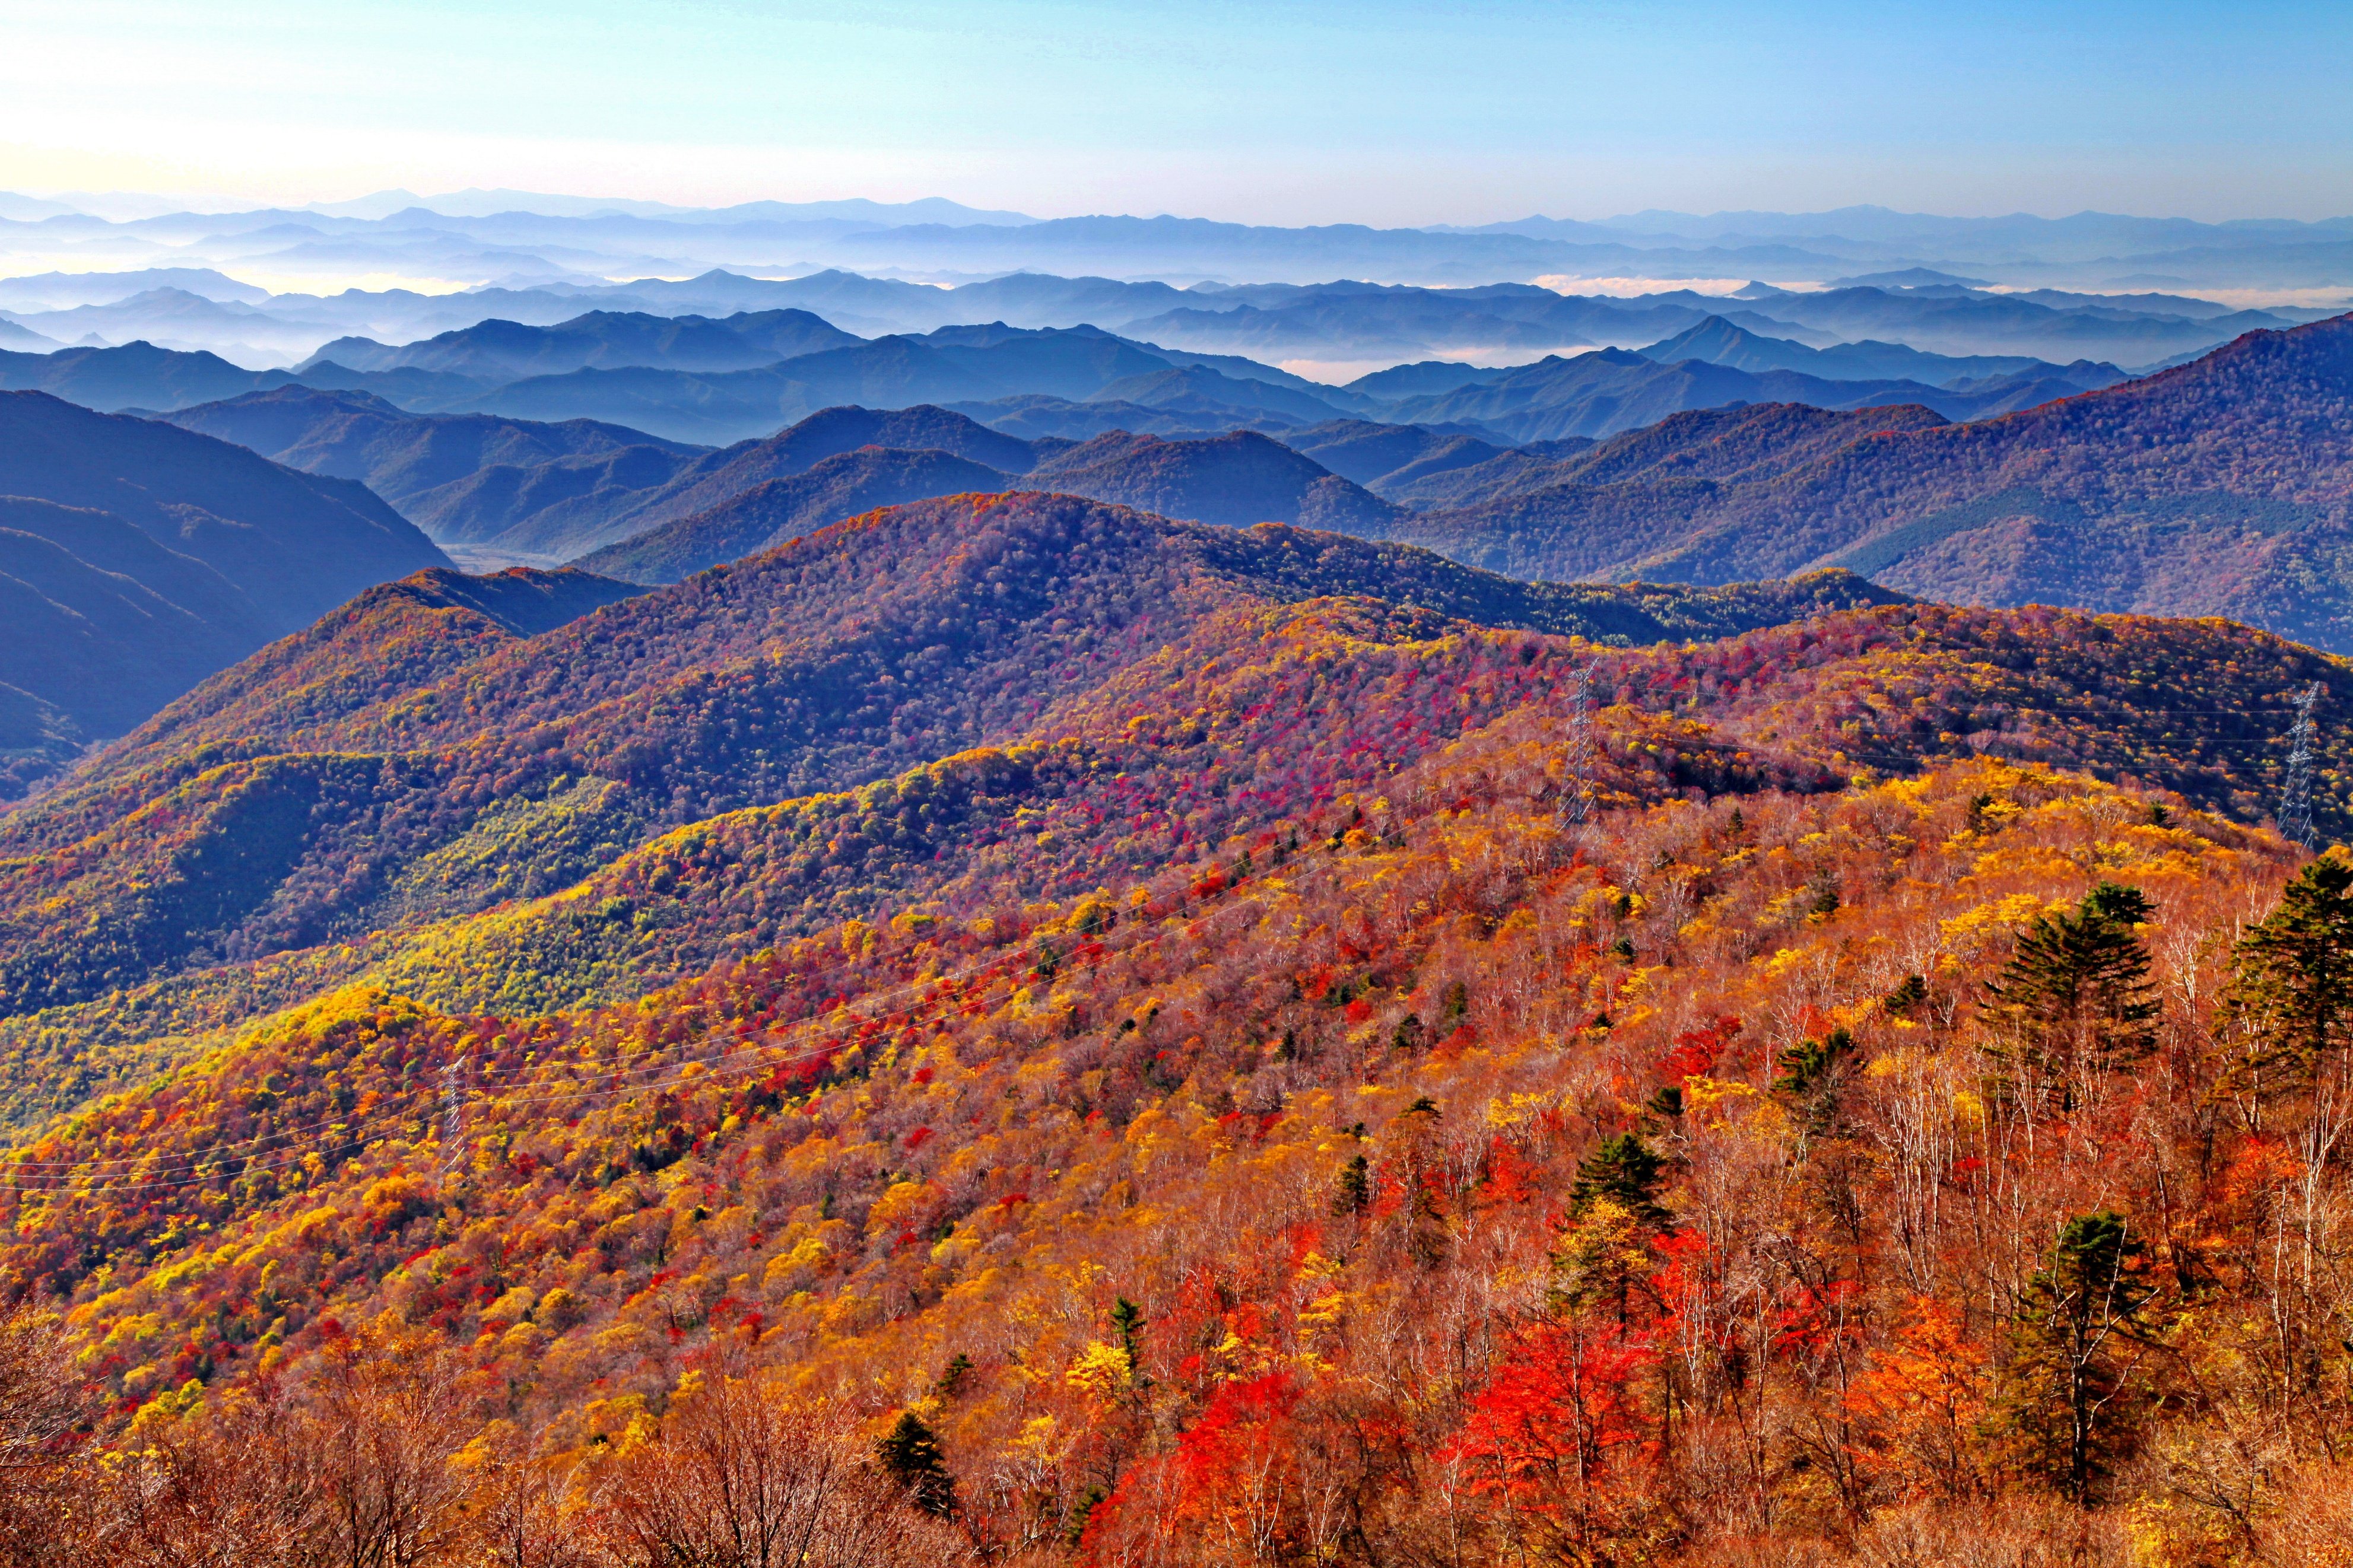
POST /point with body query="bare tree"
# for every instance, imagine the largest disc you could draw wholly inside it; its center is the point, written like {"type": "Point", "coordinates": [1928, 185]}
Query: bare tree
{"type": "Point", "coordinates": [226, 1488]}
{"type": "Point", "coordinates": [41, 1408]}
{"type": "Point", "coordinates": [741, 1475]}
{"type": "Point", "coordinates": [384, 1420]}
{"type": "Point", "coordinates": [526, 1510]}
{"type": "Point", "coordinates": [349, 1467]}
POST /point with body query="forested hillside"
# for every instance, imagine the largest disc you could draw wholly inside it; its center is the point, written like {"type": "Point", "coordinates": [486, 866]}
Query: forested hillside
{"type": "Point", "coordinates": [1056, 1035]}
{"type": "Point", "coordinates": [782, 509]}
{"type": "Point", "coordinates": [413, 460]}
{"type": "Point", "coordinates": [1237, 479]}
{"type": "Point", "coordinates": [283, 804]}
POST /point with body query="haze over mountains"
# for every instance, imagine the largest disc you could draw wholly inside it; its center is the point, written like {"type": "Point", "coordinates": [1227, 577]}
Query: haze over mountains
{"type": "Point", "coordinates": [697, 379]}
{"type": "Point", "coordinates": [2217, 488]}
{"type": "Point", "coordinates": [2109, 288]}
{"type": "Point", "coordinates": [453, 237]}
{"type": "Point", "coordinates": [2222, 487]}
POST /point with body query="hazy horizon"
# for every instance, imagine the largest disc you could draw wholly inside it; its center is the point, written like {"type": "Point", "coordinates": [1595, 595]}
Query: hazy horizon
{"type": "Point", "coordinates": [1385, 114]}
{"type": "Point", "coordinates": [133, 202]}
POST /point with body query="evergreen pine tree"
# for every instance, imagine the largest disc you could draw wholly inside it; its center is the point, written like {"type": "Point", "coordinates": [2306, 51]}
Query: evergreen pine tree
{"type": "Point", "coordinates": [1628, 1172]}
{"type": "Point", "coordinates": [2079, 1335]}
{"type": "Point", "coordinates": [912, 1456]}
{"type": "Point", "coordinates": [1355, 1192]}
{"type": "Point", "coordinates": [1127, 1322]}
{"type": "Point", "coordinates": [1804, 1065]}
{"type": "Point", "coordinates": [2292, 986]}
{"type": "Point", "coordinates": [2076, 996]}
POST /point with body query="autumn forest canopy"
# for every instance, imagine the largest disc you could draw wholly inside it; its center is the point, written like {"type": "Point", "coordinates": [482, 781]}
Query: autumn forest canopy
{"type": "Point", "coordinates": [1015, 1029]}
{"type": "Point", "coordinates": [666, 934]}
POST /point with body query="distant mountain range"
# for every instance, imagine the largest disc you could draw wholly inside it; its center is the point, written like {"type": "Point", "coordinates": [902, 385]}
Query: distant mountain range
{"type": "Point", "coordinates": [1502, 469]}
{"type": "Point", "coordinates": [1610, 390]}
{"type": "Point", "coordinates": [711, 381]}
{"type": "Point", "coordinates": [656, 375]}
{"type": "Point", "coordinates": [498, 351]}
{"type": "Point", "coordinates": [1719, 342]}
{"type": "Point", "coordinates": [489, 236]}
{"type": "Point", "coordinates": [1336, 323]}
{"type": "Point", "coordinates": [516, 488]}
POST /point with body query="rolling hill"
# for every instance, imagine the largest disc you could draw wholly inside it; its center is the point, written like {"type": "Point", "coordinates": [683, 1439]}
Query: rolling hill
{"type": "Point", "coordinates": [890, 372]}
{"type": "Point", "coordinates": [530, 491]}
{"type": "Point", "coordinates": [402, 456]}
{"type": "Point", "coordinates": [1425, 467]}
{"type": "Point", "coordinates": [1237, 479]}
{"type": "Point", "coordinates": [1718, 342]}
{"type": "Point", "coordinates": [779, 511]}
{"type": "Point", "coordinates": [135, 375]}
{"type": "Point", "coordinates": [827, 433]}
{"type": "Point", "coordinates": [734, 688]}
{"type": "Point", "coordinates": [105, 624]}
{"type": "Point", "coordinates": [294, 544]}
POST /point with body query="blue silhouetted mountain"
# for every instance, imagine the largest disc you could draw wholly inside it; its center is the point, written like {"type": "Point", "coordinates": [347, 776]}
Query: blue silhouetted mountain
{"type": "Point", "coordinates": [1720, 343]}
{"type": "Point", "coordinates": [499, 350]}
{"type": "Point", "coordinates": [1600, 393]}
{"type": "Point", "coordinates": [399, 455]}
{"type": "Point", "coordinates": [714, 478]}
{"type": "Point", "coordinates": [777, 511]}
{"type": "Point", "coordinates": [140, 557]}
{"type": "Point", "coordinates": [1237, 479]}
{"type": "Point", "coordinates": [135, 375]}
{"type": "Point", "coordinates": [957, 366]}
{"type": "Point", "coordinates": [1384, 457]}
{"type": "Point", "coordinates": [1424, 378]}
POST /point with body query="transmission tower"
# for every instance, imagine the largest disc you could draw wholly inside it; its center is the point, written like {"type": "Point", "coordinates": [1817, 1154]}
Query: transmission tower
{"type": "Point", "coordinates": [2295, 808]}
{"type": "Point", "coordinates": [1579, 748]}
{"type": "Point", "coordinates": [456, 1090]}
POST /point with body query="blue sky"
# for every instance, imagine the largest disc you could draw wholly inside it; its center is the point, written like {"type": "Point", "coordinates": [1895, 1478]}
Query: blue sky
{"type": "Point", "coordinates": [1270, 111]}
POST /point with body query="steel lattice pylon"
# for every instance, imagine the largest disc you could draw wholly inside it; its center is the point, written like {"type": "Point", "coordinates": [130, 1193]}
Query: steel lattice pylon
{"type": "Point", "coordinates": [1579, 748]}
{"type": "Point", "coordinates": [2295, 803]}
{"type": "Point", "coordinates": [457, 1089]}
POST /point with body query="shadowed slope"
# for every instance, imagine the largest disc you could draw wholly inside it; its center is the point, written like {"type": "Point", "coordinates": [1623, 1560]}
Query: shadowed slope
{"type": "Point", "coordinates": [1237, 479]}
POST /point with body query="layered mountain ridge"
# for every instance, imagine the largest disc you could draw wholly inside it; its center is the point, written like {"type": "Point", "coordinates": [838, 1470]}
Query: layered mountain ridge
{"type": "Point", "coordinates": [2219, 487]}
